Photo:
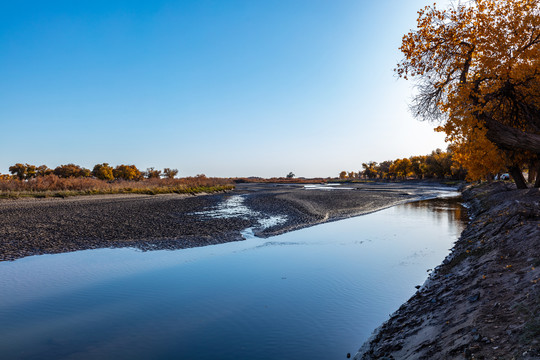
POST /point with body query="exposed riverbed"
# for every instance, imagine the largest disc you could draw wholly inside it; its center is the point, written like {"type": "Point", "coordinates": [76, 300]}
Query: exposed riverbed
{"type": "Point", "coordinates": [315, 293]}
{"type": "Point", "coordinates": [45, 226]}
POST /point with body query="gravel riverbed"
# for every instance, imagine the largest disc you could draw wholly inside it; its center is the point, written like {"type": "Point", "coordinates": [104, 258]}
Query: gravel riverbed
{"type": "Point", "coordinates": [45, 226]}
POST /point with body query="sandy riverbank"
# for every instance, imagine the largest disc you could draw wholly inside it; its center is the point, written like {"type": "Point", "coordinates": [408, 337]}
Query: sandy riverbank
{"type": "Point", "coordinates": [483, 302]}
{"type": "Point", "coordinates": [44, 226]}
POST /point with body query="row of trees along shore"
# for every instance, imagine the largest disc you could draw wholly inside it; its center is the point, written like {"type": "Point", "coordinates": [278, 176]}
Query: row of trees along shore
{"type": "Point", "coordinates": [71, 179]}
{"type": "Point", "coordinates": [100, 171]}
{"type": "Point", "coordinates": [477, 71]}
{"type": "Point", "coordinates": [438, 164]}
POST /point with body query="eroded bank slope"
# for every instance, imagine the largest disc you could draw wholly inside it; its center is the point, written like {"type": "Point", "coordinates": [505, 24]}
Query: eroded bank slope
{"type": "Point", "coordinates": [483, 302]}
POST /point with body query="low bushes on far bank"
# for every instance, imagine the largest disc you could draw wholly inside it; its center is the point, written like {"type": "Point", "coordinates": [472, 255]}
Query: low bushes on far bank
{"type": "Point", "coordinates": [52, 185]}
{"type": "Point", "coordinates": [28, 180]}
{"type": "Point", "coordinates": [280, 180]}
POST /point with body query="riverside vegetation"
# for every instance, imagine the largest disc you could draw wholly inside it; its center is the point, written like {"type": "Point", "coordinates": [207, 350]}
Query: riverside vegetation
{"type": "Point", "coordinates": [476, 67]}
{"type": "Point", "coordinates": [26, 180]}
{"type": "Point", "coordinates": [68, 180]}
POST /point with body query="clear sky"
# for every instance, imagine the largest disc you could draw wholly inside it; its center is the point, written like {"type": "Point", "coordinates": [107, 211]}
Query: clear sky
{"type": "Point", "coordinates": [220, 87]}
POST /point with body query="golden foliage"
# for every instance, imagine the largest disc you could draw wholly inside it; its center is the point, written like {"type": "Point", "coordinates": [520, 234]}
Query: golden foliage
{"type": "Point", "coordinates": [401, 168]}
{"type": "Point", "coordinates": [438, 164]}
{"type": "Point", "coordinates": [127, 172]}
{"type": "Point", "coordinates": [478, 66]}
{"type": "Point", "coordinates": [71, 179]}
{"type": "Point", "coordinates": [103, 171]}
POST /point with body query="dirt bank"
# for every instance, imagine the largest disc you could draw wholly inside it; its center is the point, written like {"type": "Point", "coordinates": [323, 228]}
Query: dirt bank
{"type": "Point", "coordinates": [483, 302]}
{"type": "Point", "coordinates": [44, 226]}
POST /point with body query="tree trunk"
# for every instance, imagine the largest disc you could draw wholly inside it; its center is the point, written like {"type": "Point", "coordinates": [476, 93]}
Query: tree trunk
{"type": "Point", "coordinates": [537, 182]}
{"type": "Point", "coordinates": [534, 172]}
{"type": "Point", "coordinates": [509, 137]}
{"type": "Point", "coordinates": [518, 177]}
{"type": "Point", "coordinates": [533, 167]}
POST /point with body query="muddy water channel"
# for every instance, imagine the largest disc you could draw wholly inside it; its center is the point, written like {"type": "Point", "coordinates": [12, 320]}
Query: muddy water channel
{"type": "Point", "coordinates": [316, 293]}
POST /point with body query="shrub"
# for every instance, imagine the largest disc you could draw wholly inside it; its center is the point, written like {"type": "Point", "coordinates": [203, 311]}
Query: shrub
{"type": "Point", "coordinates": [170, 173]}
{"type": "Point", "coordinates": [152, 173]}
{"type": "Point", "coordinates": [103, 172]}
{"type": "Point", "coordinates": [127, 172]}
{"type": "Point", "coordinates": [18, 170]}
{"type": "Point", "coordinates": [71, 170]}
{"type": "Point", "coordinates": [43, 170]}
{"type": "Point", "coordinates": [53, 185]}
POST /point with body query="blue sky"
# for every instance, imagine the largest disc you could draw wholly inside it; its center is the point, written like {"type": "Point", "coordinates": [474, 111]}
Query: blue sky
{"type": "Point", "coordinates": [225, 88]}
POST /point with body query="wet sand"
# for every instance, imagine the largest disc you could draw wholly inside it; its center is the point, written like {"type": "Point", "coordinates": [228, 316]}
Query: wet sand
{"type": "Point", "coordinates": [46, 226]}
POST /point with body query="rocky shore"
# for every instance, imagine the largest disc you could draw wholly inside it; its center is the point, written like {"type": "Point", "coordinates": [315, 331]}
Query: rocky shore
{"type": "Point", "coordinates": [483, 301]}
{"type": "Point", "coordinates": [45, 226]}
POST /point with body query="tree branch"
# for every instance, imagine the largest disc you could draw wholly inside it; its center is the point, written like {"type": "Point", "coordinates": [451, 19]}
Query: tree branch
{"type": "Point", "coordinates": [510, 138]}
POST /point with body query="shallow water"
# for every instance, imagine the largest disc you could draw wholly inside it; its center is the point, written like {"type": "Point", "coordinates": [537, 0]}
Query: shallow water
{"type": "Point", "coordinates": [316, 293]}
{"type": "Point", "coordinates": [234, 207]}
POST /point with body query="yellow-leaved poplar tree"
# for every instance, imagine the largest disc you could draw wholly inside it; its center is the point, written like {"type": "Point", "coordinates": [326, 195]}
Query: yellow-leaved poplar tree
{"type": "Point", "coordinates": [478, 67]}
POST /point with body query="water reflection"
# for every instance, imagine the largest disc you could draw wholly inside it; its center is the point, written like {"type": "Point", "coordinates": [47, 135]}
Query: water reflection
{"type": "Point", "coordinates": [316, 293]}
{"type": "Point", "coordinates": [441, 210]}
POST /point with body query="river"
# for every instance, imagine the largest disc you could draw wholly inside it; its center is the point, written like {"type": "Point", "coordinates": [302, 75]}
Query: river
{"type": "Point", "coordinates": [316, 293]}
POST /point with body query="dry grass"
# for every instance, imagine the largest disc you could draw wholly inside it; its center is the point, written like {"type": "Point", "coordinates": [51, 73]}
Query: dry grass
{"type": "Point", "coordinates": [280, 180]}
{"type": "Point", "coordinates": [52, 185]}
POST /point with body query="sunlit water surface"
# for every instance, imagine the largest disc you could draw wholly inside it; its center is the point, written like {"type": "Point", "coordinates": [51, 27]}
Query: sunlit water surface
{"type": "Point", "coordinates": [316, 293]}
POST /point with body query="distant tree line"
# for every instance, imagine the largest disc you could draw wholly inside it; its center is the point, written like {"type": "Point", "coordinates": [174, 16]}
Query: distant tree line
{"type": "Point", "coordinates": [437, 165]}
{"type": "Point", "coordinates": [100, 171]}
